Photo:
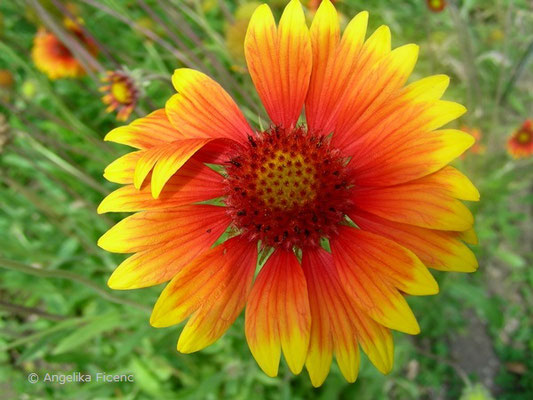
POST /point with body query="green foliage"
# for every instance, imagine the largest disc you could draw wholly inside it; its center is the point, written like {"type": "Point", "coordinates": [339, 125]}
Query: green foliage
{"type": "Point", "coordinates": [56, 313]}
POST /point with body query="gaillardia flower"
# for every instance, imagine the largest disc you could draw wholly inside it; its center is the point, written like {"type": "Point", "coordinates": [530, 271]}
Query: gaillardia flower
{"type": "Point", "coordinates": [121, 94]}
{"type": "Point", "coordinates": [436, 5]}
{"type": "Point", "coordinates": [55, 59]}
{"type": "Point", "coordinates": [520, 144]}
{"type": "Point", "coordinates": [350, 207]}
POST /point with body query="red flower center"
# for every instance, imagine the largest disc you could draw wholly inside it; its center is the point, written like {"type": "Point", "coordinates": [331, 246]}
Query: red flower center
{"type": "Point", "coordinates": [59, 50]}
{"type": "Point", "coordinates": [288, 188]}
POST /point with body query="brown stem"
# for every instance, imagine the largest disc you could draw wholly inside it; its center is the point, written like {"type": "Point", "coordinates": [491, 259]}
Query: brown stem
{"type": "Point", "coordinates": [150, 34]}
{"type": "Point", "coordinates": [29, 311]}
{"type": "Point", "coordinates": [220, 68]}
{"type": "Point", "coordinates": [468, 54]}
{"type": "Point", "coordinates": [57, 273]}
{"type": "Point", "coordinates": [65, 11]}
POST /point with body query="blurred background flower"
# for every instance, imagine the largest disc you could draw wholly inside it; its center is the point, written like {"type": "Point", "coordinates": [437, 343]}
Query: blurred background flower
{"type": "Point", "coordinates": [520, 143]}
{"type": "Point", "coordinates": [54, 58]}
{"type": "Point", "coordinates": [120, 94]}
{"type": "Point", "coordinates": [436, 5]}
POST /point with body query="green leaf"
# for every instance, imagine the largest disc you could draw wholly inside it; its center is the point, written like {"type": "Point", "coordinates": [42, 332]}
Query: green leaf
{"type": "Point", "coordinates": [89, 331]}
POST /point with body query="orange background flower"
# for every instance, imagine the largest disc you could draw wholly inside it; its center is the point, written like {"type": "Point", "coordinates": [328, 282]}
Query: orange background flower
{"type": "Point", "coordinates": [520, 143]}
{"type": "Point", "coordinates": [55, 59]}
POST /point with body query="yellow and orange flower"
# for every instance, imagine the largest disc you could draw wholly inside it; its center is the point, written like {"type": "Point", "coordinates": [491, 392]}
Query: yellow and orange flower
{"type": "Point", "coordinates": [436, 5]}
{"type": "Point", "coordinates": [121, 94]}
{"type": "Point", "coordinates": [366, 173]}
{"type": "Point", "coordinates": [520, 144]}
{"type": "Point", "coordinates": [55, 59]}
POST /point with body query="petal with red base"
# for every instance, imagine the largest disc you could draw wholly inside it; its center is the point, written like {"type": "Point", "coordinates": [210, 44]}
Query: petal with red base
{"type": "Point", "coordinates": [279, 61]}
{"type": "Point", "coordinates": [203, 109]}
{"type": "Point", "coordinates": [371, 289]}
{"type": "Point", "coordinates": [213, 288]}
{"type": "Point", "coordinates": [436, 249]}
{"type": "Point", "coordinates": [330, 59]}
{"type": "Point", "coordinates": [338, 324]}
{"type": "Point", "coordinates": [194, 182]}
{"type": "Point", "coordinates": [374, 86]}
{"type": "Point", "coordinates": [396, 264]}
{"type": "Point", "coordinates": [278, 315]}
{"type": "Point", "coordinates": [398, 159]}
{"type": "Point", "coordinates": [418, 203]}
{"type": "Point", "coordinates": [146, 229]}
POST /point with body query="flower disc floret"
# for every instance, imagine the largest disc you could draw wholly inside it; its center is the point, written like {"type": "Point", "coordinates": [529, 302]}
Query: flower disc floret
{"type": "Point", "coordinates": [288, 188]}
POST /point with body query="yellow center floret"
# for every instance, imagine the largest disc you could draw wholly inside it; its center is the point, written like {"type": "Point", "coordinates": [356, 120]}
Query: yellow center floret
{"type": "Point", "coordinates": [121, 92]}
{"type": "Point", "coordinates": [287, 180]}
{"type": "Point", "coordinates": [523, 137]}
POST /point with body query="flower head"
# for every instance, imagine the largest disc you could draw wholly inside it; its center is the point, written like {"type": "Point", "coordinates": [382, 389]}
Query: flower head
{"type": "Point", "coordinates": [520, 143]}
{"type": "Point", "coordinates": [55, 59]}
{"type": "Point", "coordinates": [436, 5]}
{"type": "Point", "coordinates": [350, 207]}
{"type": "Point", "coordinates": [121, 94]}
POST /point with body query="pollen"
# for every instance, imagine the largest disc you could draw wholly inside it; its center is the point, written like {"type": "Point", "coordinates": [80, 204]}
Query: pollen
{"type": "Point", "coordinates": [288, 188]}
{"type": "Point", "coordinates": [287, 180]}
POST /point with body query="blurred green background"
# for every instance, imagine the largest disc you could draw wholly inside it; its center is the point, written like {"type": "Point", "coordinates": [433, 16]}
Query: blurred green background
{"type": "Point", "coordinates": [57, 314]}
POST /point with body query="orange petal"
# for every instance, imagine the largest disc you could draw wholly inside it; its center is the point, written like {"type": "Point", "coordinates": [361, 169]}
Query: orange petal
{"type": "Point", "coordinates": [336, 319]}
{"type": "Point", "coordinates": [163, 261]}
{"type": "Point", "coordinates": [436, 249]}
{"type": "Point", "coordinates": [280, 61]}
{"type": "Point", "coordinates": [337, 332]}
{"type": "Point", "coordinates": [325, 36]}
{"type": "Point", "coordinates": [452, 182]}
{"type": "Point", "coordinates": [396, 264]}
{"type": "Point", "coordinates": [398, 159]}
{"type": "Point", "coordinates": [374, 86]}
{"type": "Point", "coordinates": [147, 229]}
{"type": "Point", "coordinates": [165, 160]}
{"type": "Point", "coordinates": [213, 288]}
{"type": "Point", "coordinates": [370, 290]}
{"type": "Point", "coordinates": [417, 203]}
{"type": "Point", "coordinates": [153, 130]}
{"type": "Point", "coordinates": [278, 315]}
{"type": "Point", "coordinates": [344, 59]}
{"type": "Point", "coordinates": [122, 169]}
{"type": "Point", "coordinates": [398, 122]}
{"type": "Point", "coordinates": [203, 109]}
{"type": "Point", "coordinates": [320, 352]}
{"type": "Point", "coordinates": [194, 182]}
